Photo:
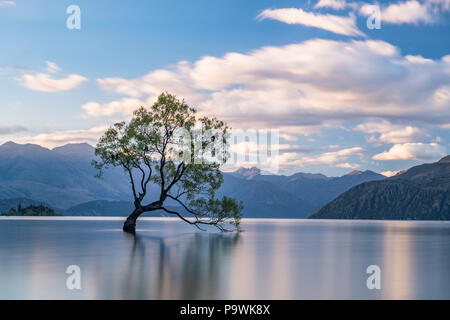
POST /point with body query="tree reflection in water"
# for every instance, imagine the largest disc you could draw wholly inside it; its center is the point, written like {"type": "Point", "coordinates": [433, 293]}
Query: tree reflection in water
{"type": "Point", "coordinates": [187, 266]}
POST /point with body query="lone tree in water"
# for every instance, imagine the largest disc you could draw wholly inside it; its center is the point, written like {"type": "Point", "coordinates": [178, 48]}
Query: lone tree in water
{"type": "Point", "coordinates": [168, 147]}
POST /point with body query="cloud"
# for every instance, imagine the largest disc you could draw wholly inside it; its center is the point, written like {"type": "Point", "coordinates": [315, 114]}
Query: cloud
{"type": "Point", "coordinates": [300, 86]}
{"type": "Point", "coordinates": [348, 165]}
{"type": "Point", "coordinates": [379, 126]}
{"type": "Point", "coordinates": [410, 12]}
{"type": "Point", "coordinates": [334, 158]}
{"type": "Point", "coordinates": [404, 135]}
{"type": "Point", "coordinates": [46, 83]}
{"type": "Point", "coordinates": [12, 130]}
{"type": "Point", "coordinates": [406, 12]}
{"type": "Point", "coordinates": [333, 4]}
{"type": "Point", "coordinates": [7, 3]}
{"type": "Point", "coordinates": [252, 148]}
{"type": "Point", "coordinates": [14, 69]}
{"type": "Point", "coordinates": [59, 138]}
{"type": "Point", "coordinates": [125, 106]}
{"type": "Point", "coordinates": [412, 151]}
{"type": "Point", "coordinates": [336, 24]}
{"type": "Point", "coordinates": [52, 67]}
{"type": "Point", "coordinates": [392, 133]}
{"type": "Point", "coordinates": [443, 5]}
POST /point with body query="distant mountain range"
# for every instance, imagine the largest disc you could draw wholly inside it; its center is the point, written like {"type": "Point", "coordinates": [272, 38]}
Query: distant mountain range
{"type": "Point", "coordinates": [420, 193]}
{"type": "Point", "coordinates": [294, 196]}
{"type": "Point", "coordinates": [64, 178]}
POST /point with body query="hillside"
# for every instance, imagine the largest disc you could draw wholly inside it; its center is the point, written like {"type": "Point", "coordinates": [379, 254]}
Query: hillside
{"type": "Point", "coordinates": [59, 177]}
{"type": "Point", "coordinates": [317, 189]}
{"type": "Point", "coordinates": [420, 193]}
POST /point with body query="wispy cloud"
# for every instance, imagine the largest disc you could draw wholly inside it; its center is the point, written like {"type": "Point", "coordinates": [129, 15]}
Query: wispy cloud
{"type": "Point", "coordinates": [14, 69]}
{"type": "Point", "coordinates": [338, 159]}
{"type": "Point", "coordinates": [333, 23]}
{"type": "Point", "coordinates": [46, 83]}
{"type": "Point", "coordinates": [12, 130]}
{"type": "Point", "coordinates": [7, 3]}
{"type": "Point", "coordinates": [52, 67]}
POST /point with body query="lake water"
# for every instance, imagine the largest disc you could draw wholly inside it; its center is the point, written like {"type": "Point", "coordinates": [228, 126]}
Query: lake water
{"type": "Point", "coordinates": [271, 259]}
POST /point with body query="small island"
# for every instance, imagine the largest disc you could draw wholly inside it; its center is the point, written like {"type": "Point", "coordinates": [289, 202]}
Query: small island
{"type": "Point", "coordinates": [31, 211]}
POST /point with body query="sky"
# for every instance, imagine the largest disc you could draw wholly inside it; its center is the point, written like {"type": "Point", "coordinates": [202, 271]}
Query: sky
{"type": "Point", "coordinates": [341, 95]}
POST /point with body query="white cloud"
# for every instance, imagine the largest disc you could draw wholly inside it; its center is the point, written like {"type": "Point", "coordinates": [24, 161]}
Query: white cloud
{"type": "Point", "coordinates": [417, 59]}
{"type": "Point", "coordinates": [334, 4]}
{"type": "Point", "coordinates": [348, 165]}
{"type": "Point", "coordinates": [252, 148]}
{"type": "Point", "coordinates": [410, 12]}
{"type": "Point", "coordinates": [380, 126]}
{"type": "Point", "coordinates": [46, 83]}
{"type": "Point", "coordinates": [7, 3]}
{"type": "Point", "coordinates": [392, 133]}
{"type": "Point", "coordinates": [298, 88]}
{"type": "Point", "coordinates": [442, 96]}
{"type": "Point", "coordinates": [59, 138]}
{"type": "Point", "coordinates": [334, 158]}
{"type": "Point", "coordinates": [125, 106]}
{"type": "Point", "coordinates": [337, 24]}
{"type": "Point", "coordinates": [406, 12]}
{"type": "Point", "coordinates": [412, 151]}
{"type": "Point", "coordinates": [52, 67]}
{"type": "Point", "coordinates": [404, 135]}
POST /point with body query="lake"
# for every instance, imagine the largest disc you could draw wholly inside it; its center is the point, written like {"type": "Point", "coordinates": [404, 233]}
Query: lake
{"type": "Point", "coordinates": [271, 259]}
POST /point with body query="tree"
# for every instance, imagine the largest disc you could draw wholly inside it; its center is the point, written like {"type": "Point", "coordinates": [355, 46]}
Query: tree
{"type": "Point", "coordinates": [167, 146]}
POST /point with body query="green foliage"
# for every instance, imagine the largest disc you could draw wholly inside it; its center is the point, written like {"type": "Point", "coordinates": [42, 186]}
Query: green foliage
{"type": "Point", "coordinates": [40, 210]}
{"type": "Point", "coordinates": [167, 145]}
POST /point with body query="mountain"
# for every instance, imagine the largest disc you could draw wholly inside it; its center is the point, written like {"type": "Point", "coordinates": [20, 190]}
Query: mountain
{"type": "Point", "coordinates": [419, 193]}
{"type": "Point", "coordinates": [246, 173]}
{"type": "Point", "coordinates": [319, 189]}
{"type": "Point", "coordinates": [64, 178]}
{"type": "Point", "coordinates": [264, 199]}
{"type": "Point", "coordinates": [75, 150]}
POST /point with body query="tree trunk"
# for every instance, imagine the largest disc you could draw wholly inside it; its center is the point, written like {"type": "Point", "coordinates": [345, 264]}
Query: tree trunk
{"type": "Point", "coordinates": [130, 224]}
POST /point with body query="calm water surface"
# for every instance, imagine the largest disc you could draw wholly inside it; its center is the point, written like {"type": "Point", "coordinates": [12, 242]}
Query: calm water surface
{"type": "Point", "coordinates": [272, 259]}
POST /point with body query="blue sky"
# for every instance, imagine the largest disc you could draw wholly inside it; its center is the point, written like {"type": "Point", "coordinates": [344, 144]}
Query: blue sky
{"type": "Point", "coordinates": [343, 97]}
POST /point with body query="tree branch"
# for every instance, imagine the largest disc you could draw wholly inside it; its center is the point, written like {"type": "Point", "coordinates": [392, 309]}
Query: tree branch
{"type": "Point", "coordinates": [183, 205]}
{"type": "Point", "coordinates": [214, 223]}
{"type": "Point", "coordinates": [131, 181]}
{"type": "Point", "coordinates": [177, 176]}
